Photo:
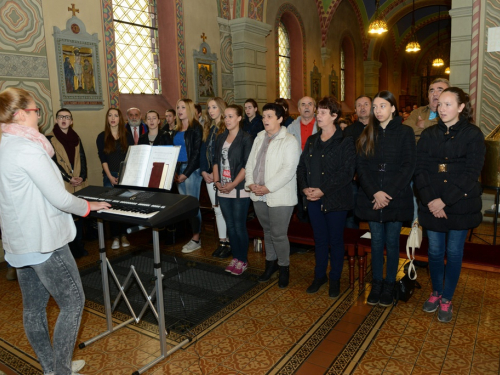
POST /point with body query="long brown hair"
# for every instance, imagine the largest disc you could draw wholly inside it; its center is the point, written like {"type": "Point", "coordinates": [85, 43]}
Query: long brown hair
{"type": "Point", "coordinates": [190, 110]}
{"type": "Point", "coordinates": [12, 100]}
{"type": "Point", "coordinates": [109, 140]}
{"type": "Point", "coordinates": [221, 126]}
{"type": "Point", "coordinates": [366, 141]}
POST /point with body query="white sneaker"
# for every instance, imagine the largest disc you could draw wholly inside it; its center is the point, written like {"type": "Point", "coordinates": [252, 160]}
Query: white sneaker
{"type": "Point", "coordinates": [191, 246]}
{"type": "Point", "coordinates": [77, 365]}
{"type": "Point", "coordinates": [125, 242]}
{"type": "Point", "coordinates": [116, 244]}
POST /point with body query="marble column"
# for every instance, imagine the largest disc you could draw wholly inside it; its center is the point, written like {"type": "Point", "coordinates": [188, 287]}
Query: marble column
{"type": "Point", "coordinates": [226, 54]}
{"type": "Point", "coordinates": [461, 37]}
{"type": "Point", "coordinates": [249, 59]}
{"type": "Point", "coordinates": [371, 69]}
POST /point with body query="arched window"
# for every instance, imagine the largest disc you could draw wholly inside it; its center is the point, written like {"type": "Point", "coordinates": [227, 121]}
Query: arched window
{"type": "Point", "coordinates": [284, 62]}
{"type": "Point", "coordinates": [342, 75]}
{"type": "Point", "coordinates": [136, 41]}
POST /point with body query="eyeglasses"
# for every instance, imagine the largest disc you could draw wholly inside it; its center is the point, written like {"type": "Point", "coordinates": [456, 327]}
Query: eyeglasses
{"type": "Point", "coordinates": [64, 117]}
{"type": "Point", "coordinates": [37, 110]}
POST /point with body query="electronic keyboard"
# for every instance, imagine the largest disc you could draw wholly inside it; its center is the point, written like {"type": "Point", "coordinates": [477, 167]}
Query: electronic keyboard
{"type": "Point", "coordinates": [140, 206]}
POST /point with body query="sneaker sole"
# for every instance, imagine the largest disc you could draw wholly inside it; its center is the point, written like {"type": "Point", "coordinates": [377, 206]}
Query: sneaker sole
{"type": "Point", "coordinates": [385, 305]}
{"type": "Point", "coordinates": [186, 251]}
{"type": "Point", "coordinates": [123, 245]}
{"type": "Point", "coordinates": [445, 321]}
{"type": "Point", "coordinates": [429, 311]}
{"type": "Point", "coordinates": [237, 274]}
{"type": "Point", "coordinates": [373, 303]}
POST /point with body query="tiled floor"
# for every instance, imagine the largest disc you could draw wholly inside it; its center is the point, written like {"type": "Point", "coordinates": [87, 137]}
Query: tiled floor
{"type": "Point", "coordinates": [286, 331]}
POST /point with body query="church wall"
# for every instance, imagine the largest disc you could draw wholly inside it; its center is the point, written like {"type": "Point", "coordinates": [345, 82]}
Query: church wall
{"type": "Point", "coordinates": [200, 17]}
{"type": "Point", "coordinates": [88, 124]}
{"type": "Point", "coordinates": [343, 25]}
{"type": "Point", "coordinates": [309, 15]}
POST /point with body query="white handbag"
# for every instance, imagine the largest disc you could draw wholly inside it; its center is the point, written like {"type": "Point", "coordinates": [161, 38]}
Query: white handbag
{"type": "Point", "coordinates": [413, 242]}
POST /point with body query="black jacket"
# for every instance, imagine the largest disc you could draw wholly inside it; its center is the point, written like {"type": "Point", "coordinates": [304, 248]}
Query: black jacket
{"type": "Point", "coordinates": [395, 151]}
{"type": "Point", "coordinates": [462, 150]}
{"type": "Point", "coordinates": [238, 154]}
{"type": "Point", "coordinates": [207, 150]}
{"type": "Point", "coordinates": [253, 127]}
{"type": "Point", "coordinates": [354, 130]}
{"type": "Point", "coordinates": [160, 140]}
{"type": "Point", "coordinates": [337, 166]}
{"type": "Point", "coordinates": [192, 137]}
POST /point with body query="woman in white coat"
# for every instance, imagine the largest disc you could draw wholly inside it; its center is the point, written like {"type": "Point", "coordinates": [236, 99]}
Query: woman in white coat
{"type": "Point", "coordinates": [271, 178]}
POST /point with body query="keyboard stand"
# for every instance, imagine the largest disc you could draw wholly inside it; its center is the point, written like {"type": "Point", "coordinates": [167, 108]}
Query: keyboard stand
{"type": "Point", "coordinates": [158, 290]}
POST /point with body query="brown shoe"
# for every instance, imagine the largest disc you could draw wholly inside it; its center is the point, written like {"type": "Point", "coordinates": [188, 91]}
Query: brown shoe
{"type": "Point", "coordinates": [125, 242]}
{"type": "Point", "coordinates": [11, 274]}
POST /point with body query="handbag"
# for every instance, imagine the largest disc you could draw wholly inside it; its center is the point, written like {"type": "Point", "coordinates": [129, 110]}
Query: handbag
{"type": "Point", "coordinates": [406, 286]}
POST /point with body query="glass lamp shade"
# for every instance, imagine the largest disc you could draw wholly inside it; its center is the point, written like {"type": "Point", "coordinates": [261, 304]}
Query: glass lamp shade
{"type": "Point", "coordinates": [447, 70]}
{"type": "Point", "coordinates": [377, 27]}
{"type": "Point", "coordinates": [413, 46]}
{"type": "Point", "coordinates": [438, 62]}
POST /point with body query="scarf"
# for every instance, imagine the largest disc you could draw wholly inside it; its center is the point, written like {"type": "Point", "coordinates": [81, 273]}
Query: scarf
{"type": "Point", "coordinates": [69, 141]}
{"type": "Point", "coordinates": [30, 134]}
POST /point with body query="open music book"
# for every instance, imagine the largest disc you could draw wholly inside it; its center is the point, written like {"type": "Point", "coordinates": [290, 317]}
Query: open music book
{"type": "Point", "coordinates": [150, 166]}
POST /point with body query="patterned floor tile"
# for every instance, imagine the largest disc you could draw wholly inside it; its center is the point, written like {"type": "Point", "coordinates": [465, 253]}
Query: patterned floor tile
{"type": "Point", "coordinates": [374, 360]}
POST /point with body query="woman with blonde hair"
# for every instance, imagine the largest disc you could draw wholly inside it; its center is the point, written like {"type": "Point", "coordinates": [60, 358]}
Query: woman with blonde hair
{"type": "Point", "coordinates": [211, 130]}
{"type": "Point", "coordinates": [188, 134]}
{"type": "Point", "coordinates": [112, 145]}
{"type": "Point", "coordinates": [36, 224]}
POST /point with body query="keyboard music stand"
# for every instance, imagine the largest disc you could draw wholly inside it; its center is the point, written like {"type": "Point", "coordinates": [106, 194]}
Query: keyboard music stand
{"type": "Point", "coordinates": [160, 311]}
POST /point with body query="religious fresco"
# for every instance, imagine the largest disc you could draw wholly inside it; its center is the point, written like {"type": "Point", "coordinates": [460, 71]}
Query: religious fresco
{"type": "Point", "coordinates": [78, 70]}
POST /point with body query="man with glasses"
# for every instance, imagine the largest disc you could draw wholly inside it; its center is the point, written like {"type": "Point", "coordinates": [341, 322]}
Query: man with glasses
{"type": "Point", "coordinates": [135, 125]}
{"type": "Point", "coordinates": [426, 116]}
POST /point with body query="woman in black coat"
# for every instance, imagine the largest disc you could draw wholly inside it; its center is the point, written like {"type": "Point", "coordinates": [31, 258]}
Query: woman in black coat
{"type": "Point", "coordinates": [324, 175]}
{"type": "Point", "coordinates": [385, 166]}
{"type": "Point", "coordinates": [450, 156]}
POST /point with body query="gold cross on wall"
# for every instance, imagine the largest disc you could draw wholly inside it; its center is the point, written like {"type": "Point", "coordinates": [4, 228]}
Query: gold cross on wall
{"type": "Point", "coordinates": [204, 37]}
{"type": "Point", "coordinates": [73, 9]}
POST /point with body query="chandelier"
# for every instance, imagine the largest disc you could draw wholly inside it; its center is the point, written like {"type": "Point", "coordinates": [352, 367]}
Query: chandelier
{"type": "Point", "coordinates": [438, 61]}
{"type": "Point", "coordinates": [413, 45]}
{"type": "Point", "coordinates": [378, 26]}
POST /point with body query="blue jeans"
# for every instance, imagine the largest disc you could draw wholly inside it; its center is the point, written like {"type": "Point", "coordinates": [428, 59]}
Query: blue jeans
{"type": "Point", "coordinates": [235, 211]}
{"type": "Point", "coordinates": [191, 186]}
{"type": "Point", "coordinates": [328, 229]}
{"type": "Point", "coordinates": [385, 234]}
{"type": "Point", "coordinates": [117, 229]}
{"type": "Point", "coordinates": [57, 277]}
{"type": "Point", "coordinates": [454, 249]}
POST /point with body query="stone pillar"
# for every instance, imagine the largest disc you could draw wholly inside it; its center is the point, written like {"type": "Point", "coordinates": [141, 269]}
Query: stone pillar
{"type": "Point", "coordinates": [249, 59]}
{"type": "Point", "coordinates": [325, 54]}
{"type": "Point", "coordinates": [371, 69]}
{"type": "Point", "coordinates": [461, 37]}
{"type": "Point", "coordinates": [226, 59]}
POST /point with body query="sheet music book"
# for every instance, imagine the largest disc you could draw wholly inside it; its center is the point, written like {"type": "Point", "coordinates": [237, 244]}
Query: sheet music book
{"type": "Point", "coordinates": [150, 166]}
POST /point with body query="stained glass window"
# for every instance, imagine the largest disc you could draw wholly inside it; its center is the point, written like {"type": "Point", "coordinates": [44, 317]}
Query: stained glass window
{"type": "Point", "coordinates": [342, 75]}
{"type": "Point", "coordinates": [284, 62]}
{"type": "Point", "coordinates": [136, 41]}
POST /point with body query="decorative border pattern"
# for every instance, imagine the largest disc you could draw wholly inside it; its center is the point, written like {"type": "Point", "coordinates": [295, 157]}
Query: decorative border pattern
{"type": "Point", "coordinates": [181, 48]}
{"type": "Point", "coordinates": [476, 15]}
{"type": "Point", "coordinates": [21, 26]}
{"type": "Point", "coordinates": [256, 10]}
{"type": "Point", "coordinates": [40, 91]}
{"type": "Point", "coordinates": [109, 45]}
{"type": "Point", "coordinates": [287, 7]}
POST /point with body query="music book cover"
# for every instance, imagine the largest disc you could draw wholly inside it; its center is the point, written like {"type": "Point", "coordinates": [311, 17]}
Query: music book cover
{"type": "Point", "coordinates": [156, 173]}
{"type": "Point", "coordinates": [148, 166]}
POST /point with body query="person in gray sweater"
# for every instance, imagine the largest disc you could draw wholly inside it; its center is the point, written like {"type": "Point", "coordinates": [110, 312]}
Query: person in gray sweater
{"type": "Point", "coordinates": [36, 223]}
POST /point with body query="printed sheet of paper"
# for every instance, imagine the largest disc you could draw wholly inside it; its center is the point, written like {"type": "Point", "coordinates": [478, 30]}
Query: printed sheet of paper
{"type": "Point", "coordinates": [136, 165]}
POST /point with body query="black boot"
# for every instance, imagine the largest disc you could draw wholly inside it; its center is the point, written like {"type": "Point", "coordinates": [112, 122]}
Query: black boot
{"type": "Point", "coordinates": [387, 295]}
{"type": "Point", "coordinates": [271, 268]}
{"type": "Point", "coordinates": [226, 250]}
{"type": "Point", "coordinates": [284, 276]}
{"type": "Point", "coordinates": [219, 249]}
{"type": "Point", "coordinates": [334, 290]}
{"type": "Point", "coordinates": [374, 296]}
{"type": "Point", "coordinates": [316, 284]}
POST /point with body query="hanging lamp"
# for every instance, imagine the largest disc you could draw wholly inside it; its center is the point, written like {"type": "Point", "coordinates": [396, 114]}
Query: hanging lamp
{"type": "Point", "coordinates": [378, 26]}
{"type": "Point", "coordinates": [447, 70]}
{"type": "Point", "coordinates": [438, 61]}
{"type": "Point", "coordinates": [413, 45]}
